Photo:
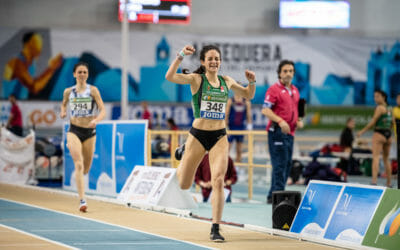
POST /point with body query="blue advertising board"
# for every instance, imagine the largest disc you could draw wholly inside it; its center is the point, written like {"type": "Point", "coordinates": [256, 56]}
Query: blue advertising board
{"type": "Point", "coordinates": [337, 212]}
{"type": "Point", "coordinates": [67, 159]}
{"type": "Point", "coordinates": [316, 207]}
{"type": "Point", "coordinates": [101, 172]}
{"type": "Point", "coordinates": [120, 146]}
{"type": "Point", "coordinates": [353, 213]}
{"type": "Point", "coordinates": [129, 150]}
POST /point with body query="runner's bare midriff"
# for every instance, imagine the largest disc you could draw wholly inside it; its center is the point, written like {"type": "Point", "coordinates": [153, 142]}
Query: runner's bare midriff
{"type": "Point", "coordinates": [82, 121]}
{"type": "Point", "coordinates": [208, 124]}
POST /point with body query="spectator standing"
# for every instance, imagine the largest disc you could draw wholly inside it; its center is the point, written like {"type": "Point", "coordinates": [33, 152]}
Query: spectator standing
{"type": "Point", "coordinates": [347, 137]}
{"type": "Point", "coordinates": [281, 107]}
{"type": "Point", "coordinates": [346, 143]}
{"type": "Point", "coordinates": [171, 124]}
{"type": "Point", "coordinates": [146, 114]}
{"type": "Point", "coordinates": [14, 123]}
{"type": "Point", "coordinates": [238, 114]}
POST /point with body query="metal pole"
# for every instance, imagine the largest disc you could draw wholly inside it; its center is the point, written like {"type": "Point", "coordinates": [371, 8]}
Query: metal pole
{"type": "Point", "coordinates": [398, 151]}
{"type": "Point", "coordinates": [125, 63]}
{"type": "Point", "coordinates": [250, 141]}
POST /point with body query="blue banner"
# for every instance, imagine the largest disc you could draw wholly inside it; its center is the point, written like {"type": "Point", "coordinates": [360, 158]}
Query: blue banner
{"type": "Point", "coordinates": [120, 146]}
{"type": "Point", "coordinates": [353, 214]}
{"type": "Point", "coordinates": [101, 167]}
{"type": "Point", "coordinates": [68, 162]}
{"type": "Point", "coordinates": [315, 208]}
{"type": "Point", "coordinates": [130, 149]}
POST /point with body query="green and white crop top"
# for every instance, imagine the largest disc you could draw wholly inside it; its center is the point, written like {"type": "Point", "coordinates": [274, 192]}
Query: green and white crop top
{"type": "Point", "coordinates": [210, 102]}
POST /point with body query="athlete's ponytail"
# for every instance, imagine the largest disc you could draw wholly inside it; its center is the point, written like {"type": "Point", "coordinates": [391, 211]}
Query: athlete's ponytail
{"type": "Point", "coordinates": [200, 70]}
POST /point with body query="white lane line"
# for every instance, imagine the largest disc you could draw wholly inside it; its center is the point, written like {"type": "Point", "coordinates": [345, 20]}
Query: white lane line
{"type": "Point", "coordinates": [77, 230]}
{"type": "Point", "coordinates": [106, 223]}
{"type": "Point", "coordinates": [123, 243]}
{"type": "Point", "coordinates": [39, 237]}
{"type": "Point", "coordinates": [25, 245]}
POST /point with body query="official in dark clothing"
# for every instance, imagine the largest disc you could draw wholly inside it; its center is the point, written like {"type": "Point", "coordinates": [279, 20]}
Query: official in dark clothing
{"type": "Point", "coordinates": [347, 137]}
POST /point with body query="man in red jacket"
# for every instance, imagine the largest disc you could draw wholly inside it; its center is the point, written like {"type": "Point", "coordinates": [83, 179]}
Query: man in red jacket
{"type": "Point", "coordinates": [203, 178]}
{"type": "Point", "coordinates": [281, 108]}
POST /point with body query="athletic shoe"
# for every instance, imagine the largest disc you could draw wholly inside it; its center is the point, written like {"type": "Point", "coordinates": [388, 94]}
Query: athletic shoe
{"type": "Point", "coordinates": [83, 206]}
{"type": "Point", "coordinates": [214, 235]}
{"type": "Point", "coordinates": [179, 152]}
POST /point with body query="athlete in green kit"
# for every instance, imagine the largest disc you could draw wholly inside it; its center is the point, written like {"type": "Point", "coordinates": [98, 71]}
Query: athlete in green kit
{"type": "Point", "coordinates": [208, 132]}
{"type": "Point", "coordinates": [382, 122]}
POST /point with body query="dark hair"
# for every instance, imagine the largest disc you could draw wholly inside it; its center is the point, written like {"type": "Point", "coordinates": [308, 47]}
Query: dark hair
{"type": "Point", "coordinates": [349, 119]}
{"type": "Point", "coordinates": [204, 50]}
{"type": "Point", "coordinates": [382, 94]}
{"type": "Point", "coordinates": [171, 121]}
{"type": "Point", "coordinates": [12, 95]}
{"type": "Point", "coordinates": [81, 64]}
{"type": "Point", "coordinates": [27, 36]}
{"type": "Point", "coordinates": [185, 71]}
{"type": "Point", "coordinates": [283, 63]}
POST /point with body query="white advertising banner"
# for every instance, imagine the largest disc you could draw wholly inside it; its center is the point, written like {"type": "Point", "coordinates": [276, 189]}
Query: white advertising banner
{"type": "Point", "coordinates": [16, 157]}
{"type": "Point", "coordinates": [155, 186]}
{"type": "Point", "coordinates": [39, 114]}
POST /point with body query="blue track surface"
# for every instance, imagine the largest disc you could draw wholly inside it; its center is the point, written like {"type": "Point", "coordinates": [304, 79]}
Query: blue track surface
{"type": "Point", "coordinates": [79, 232]}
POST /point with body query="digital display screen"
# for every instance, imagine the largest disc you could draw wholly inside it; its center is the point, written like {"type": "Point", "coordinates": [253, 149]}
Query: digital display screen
{"type": "Point", "coordinates": [156, 11]}
{"type": "Point", "coordinates": [314, 14]}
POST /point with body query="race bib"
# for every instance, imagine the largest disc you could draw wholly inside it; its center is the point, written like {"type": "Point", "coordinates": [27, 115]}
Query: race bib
{"type": "Point", "coordinates": [80, 106]}
{"type": "Point", "coordinates": [212, 110]}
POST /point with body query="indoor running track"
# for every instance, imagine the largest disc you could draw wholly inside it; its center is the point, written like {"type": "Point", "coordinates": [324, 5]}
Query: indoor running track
{"type": "Point", "coordinates": [79, 232]}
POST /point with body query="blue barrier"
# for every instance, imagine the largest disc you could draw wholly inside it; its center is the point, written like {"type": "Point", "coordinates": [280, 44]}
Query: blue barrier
{"type": "Point", "coordinates": [120, 145]}
{"type": "Point", "coordinates": [339, 212]}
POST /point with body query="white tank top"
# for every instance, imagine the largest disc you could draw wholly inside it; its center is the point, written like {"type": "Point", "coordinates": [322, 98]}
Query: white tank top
{"type": "Point", "coordinates": [81, 104]}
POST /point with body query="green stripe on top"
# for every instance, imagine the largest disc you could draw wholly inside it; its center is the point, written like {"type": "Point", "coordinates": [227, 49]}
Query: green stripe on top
{"type": "Point", "coordinates": [81, 99]}
{"type": "Point", "coordinates": [209, 94]}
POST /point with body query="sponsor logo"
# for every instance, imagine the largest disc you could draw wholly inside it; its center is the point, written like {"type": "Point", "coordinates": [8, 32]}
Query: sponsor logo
{"type": "Point", "coordinates": [390, 223]}
{"type": "Point", "coordinates": [120, 142]}
{"type": "Point", "coordinates": [311, 196]}
{"type": "Point", "coordinates": [211, 115]}
{"type": "Point", "coordinates": [47, 117]}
